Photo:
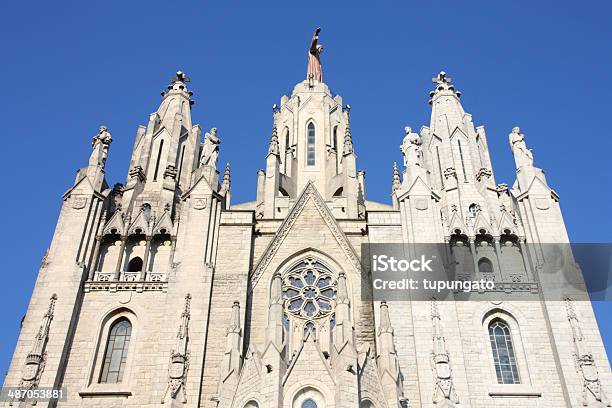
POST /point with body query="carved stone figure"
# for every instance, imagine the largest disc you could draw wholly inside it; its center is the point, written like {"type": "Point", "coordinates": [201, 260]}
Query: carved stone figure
{"type": "Point", "coordinates": [100, 144]}
{"type": "Point", "coordinates": [411, 148]}
{"type": "Point", "coordinates": [315, 70]}
{"type": "Point", "coordinates": [210, 152]}
{"type": "Point", "coordinates": [444, 391]}
{"type": "Point", "coordinates": [592, 392]}
{"type": "Point", "coordinates": [179, 358]}
{"type": "Point", "coordinates": [522, 155]}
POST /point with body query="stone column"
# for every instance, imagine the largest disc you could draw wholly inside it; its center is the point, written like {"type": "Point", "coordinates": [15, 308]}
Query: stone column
{"type": "Point", "coordinates": [120, 257]}
{"type": "Point", "coordinates": [95, 260]}
{"type": "Point", "coordinates": [498, 255]}
{"type": "Point", "coordinates": [145, 259]}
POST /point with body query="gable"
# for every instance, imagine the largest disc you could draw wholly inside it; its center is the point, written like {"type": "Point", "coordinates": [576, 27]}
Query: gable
{"type": "Point", "coordinates": [309, 225]}
{"type": "Point", "coordinates": [308, 362]}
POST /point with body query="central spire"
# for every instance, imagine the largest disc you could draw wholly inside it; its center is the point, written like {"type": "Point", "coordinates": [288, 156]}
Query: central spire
{"type": "Point", "coordinates": [315, 70]}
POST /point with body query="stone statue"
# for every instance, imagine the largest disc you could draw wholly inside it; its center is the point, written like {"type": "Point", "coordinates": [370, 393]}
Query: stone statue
{"type": "Point", "coordinates": [210, 152]}
{"type": "Point", "coordinates": [522, 155]}
{"type": "Point", "coordinates": [100, 144]}
{"type": "Point", "coordinates": [411, 148]}
{"type": "Point", "coordinates": [315, 70]}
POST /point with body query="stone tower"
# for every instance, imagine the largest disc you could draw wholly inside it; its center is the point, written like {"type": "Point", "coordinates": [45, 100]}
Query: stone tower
{"type": "Point", "coordinates": [162, 292]}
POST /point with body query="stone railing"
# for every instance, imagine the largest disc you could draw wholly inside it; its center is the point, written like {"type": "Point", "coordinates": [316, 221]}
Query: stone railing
{"type": "Point", "coordinates": [104, 276]}
{"type": "Point", "coordinates": [130, 281]}
{"type": "Point", "coordinates": [130, 276]}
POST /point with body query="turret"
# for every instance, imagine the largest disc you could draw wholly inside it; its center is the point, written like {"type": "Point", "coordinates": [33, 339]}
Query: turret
{"type": "Point", "coordinates": [311, 142]}
{"type": "Point", "coordinates": [272, 181]}
{"type": "Point", "coordinates": [274, 331]}
{"type": "Point", "coordinates": [387, 360]}
{"type": "Point", "coordinates": [165, 152]}
{"type": "Point", "coordinates": [232, 357]}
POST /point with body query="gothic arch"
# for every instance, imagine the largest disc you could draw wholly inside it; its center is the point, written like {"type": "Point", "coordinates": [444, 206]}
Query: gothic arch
{"type": "Point", "coordinates": [502, 314]}
{"type": "Point", "coordinates": [314, 390]}
{"type": "Point", "coordinates": [104, 326]}
{"type": "Point", "coordinates": [286, 263]}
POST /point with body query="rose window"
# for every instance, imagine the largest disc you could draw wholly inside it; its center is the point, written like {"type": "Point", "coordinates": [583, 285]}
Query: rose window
{"type": "Point", "coordinates": [309, 289]}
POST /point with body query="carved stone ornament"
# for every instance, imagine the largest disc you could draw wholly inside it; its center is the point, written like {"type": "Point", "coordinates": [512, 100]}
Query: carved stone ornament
{"type": "Point", "coordinates": [170, 172]}
{"type": "Point", "coordinates": [444, 390]}
{"type": "Point", "coordinates": [542, 203]}
{"type": "Point", "coordinates": [179, 359]}
{"type": "Point", "coordinates": [78, 202]}
{"type": "Point", "coordinates": [483, 172]}
{"type": "Point", "coordinates": [421, 204]}
{"type": "Point", "coordinates": [36, 358]}
{"type": "Point", "coordinates": [137, 172]}
{"type": "Point", "coordinates": [592, 392]}
{"type": "Point", "coordinates": [450, 172]}
{"type": "Point", "coordinates": [199, 203]}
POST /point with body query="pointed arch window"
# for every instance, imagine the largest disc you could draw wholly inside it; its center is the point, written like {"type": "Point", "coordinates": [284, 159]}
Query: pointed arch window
{"type": "Point", "coordinates": [115, 355]}
{"type": "Point", "coordinates": [310, 144]}
{"type": "Point", "coordinates": [462, 162]}
{"type": "Point", "coordinates": [504, 357]}
{"type": "Point", "coordinates": [159, 154]}
{"type": "Point", "coordinates": [440, 167]}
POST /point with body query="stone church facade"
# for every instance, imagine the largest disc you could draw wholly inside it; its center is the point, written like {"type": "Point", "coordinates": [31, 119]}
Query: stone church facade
{"type": "Point", "coordinates": [163, 292]}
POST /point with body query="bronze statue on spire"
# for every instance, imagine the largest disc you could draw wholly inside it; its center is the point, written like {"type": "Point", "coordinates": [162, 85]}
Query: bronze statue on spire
{"type": "Point", "coordinates": [315, 70]}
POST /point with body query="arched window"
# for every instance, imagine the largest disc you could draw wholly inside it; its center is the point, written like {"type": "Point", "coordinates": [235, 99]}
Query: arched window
{"type": "Point", "coordinates": [115, 355]}
{"type": "Point", "coordinates": [504, 357]}
{"type": "Point", "coordinates": [309, 403]}
{"type": "Point", "coordinates": [310, 145]}
{"type": "Point", "coordinates": [251, 404]}
{"type": "Point", "coordinates": [485, 265]}
{"type": "Point", "coordinates": [135, 264]}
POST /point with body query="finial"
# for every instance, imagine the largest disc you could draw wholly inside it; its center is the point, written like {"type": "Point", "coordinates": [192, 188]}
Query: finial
{"type": "Point", "coordinates": [385, 320]}
{"type": "Point", "coordinates": [180, 77]}
{"type": "Point", "coordinates": [443, 83]}
{"type": "Point", "coordinates": [441, 78]}
{"type": "Point", "coordinates": [348, 140]}
{"type": "Point", "coordinates": [396, 178]}
{"type": "Point", "coordinates": [273, 148]}
{"type": "Point", "coordinates": [434, 309]}
{"type": "Point", "coordinates": [225, 184]}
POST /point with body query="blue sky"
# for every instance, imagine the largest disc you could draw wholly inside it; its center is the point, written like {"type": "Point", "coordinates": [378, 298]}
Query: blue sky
{"type": "Point", "coordinates": [68, 67]}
